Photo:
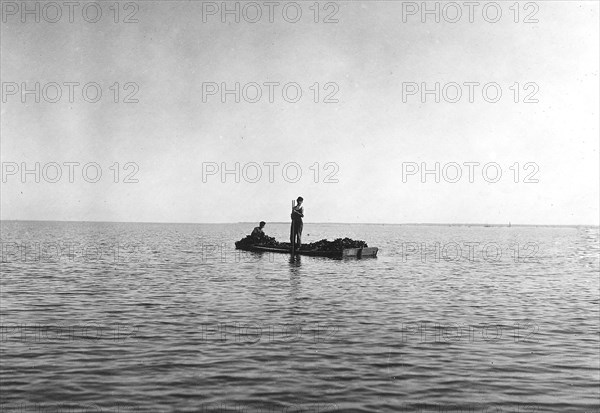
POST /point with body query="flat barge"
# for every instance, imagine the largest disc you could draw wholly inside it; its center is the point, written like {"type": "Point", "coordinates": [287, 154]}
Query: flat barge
{"type": "Point", "coordinates": [366, 252]}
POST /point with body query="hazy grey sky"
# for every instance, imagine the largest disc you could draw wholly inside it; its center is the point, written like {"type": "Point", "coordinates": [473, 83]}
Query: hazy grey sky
{"type": "Point", "coordinates": [366, 56]}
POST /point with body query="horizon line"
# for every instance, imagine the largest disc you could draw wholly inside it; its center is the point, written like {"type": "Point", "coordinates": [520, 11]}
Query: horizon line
{"type": "Point", "coordinates": [325, 223]}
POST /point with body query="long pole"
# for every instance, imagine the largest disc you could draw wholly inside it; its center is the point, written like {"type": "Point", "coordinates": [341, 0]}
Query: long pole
{"type": "Point", "coordinates": [293, 229]}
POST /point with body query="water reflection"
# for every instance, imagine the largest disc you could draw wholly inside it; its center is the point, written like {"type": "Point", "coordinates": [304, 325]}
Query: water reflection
{"type": "Point", "coordinates": [295, 262]}
{"type": "Point", "coordinates": [297, 301]}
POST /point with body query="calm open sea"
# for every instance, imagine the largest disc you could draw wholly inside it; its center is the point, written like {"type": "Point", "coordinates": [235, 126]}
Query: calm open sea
{"type": "Point", "coordinates": [119, 317]}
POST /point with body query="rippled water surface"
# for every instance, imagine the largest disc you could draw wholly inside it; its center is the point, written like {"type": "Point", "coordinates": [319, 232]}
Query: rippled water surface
{"type": "Point", "coordinates": [169, 317]}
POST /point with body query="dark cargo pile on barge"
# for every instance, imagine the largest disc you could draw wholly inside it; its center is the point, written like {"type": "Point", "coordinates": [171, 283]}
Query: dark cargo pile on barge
{"type": "Point", "coordinates": [338, 245]}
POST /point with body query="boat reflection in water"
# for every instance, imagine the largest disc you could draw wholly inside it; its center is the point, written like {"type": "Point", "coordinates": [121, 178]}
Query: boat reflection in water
{"type": "Point", "coordinates": [344, 253]}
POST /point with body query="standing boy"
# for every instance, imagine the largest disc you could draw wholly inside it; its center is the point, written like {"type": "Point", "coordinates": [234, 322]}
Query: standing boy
{"type": "Point", "coordinates": [296, 229]}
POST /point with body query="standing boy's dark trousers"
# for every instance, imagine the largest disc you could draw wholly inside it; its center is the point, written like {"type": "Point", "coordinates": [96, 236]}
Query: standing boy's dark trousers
{"type": "Point", "coordinates": [296, 233]}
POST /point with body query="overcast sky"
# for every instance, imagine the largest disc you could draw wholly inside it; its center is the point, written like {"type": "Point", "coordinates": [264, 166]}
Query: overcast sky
{"type": "Point", "coordinates": [364, 60]}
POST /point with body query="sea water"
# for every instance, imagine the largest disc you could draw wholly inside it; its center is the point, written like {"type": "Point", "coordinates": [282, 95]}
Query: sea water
{"type": "Point", "coordinates": [119, 317]}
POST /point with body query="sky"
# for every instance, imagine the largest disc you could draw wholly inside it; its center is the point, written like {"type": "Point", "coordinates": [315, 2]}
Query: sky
{"type": "Point", "coordinates": [354, 151]}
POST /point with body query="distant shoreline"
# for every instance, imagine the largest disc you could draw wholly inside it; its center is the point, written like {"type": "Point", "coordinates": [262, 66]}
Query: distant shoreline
{"type": "Point", "coordinates": [324, 223]}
